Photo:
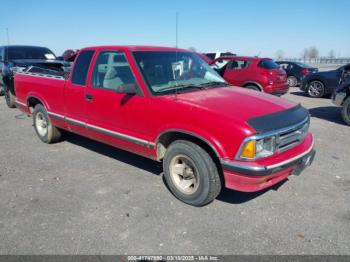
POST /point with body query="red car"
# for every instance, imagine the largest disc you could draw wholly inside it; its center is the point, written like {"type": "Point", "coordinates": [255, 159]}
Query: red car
{"type": "Point", "coordinates": [167, 104]}
{"type": "Point", "coordinates": [260, 74]}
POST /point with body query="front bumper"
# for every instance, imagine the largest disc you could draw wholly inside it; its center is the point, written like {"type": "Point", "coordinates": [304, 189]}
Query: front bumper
{"type": "Point", "coordinates": [338, 98]}
{"type": "Point", "coordinates": [250, 179]}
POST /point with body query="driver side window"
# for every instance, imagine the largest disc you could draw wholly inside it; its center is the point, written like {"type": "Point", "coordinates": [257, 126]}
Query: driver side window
{"type": "Point", "coordinates": [111, 71]}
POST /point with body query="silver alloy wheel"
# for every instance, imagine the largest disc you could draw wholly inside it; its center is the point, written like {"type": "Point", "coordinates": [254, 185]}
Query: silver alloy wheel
{"type": "Point", "coordinates": [41, 124]}
{"type": "Point", "coordinates": [315, 89]}
{"type": "Point", "coordinates": [292, 81]}
{"type": "Point", "coordinates": [184, 174]}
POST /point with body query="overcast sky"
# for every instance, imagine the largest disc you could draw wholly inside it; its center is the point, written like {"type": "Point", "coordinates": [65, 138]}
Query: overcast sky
{"type": "Point", "coordinates": [246, 27]}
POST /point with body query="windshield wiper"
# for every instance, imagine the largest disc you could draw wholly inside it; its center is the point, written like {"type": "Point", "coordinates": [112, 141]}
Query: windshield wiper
{"type": "Point", "coordinates": [214, 84]}
{"type": "Point", "coordinates": [181, 87]}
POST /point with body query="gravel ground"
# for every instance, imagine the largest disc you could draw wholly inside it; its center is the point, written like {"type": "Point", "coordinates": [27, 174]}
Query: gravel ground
{"type": "Point", "coordinates": [82, 197]}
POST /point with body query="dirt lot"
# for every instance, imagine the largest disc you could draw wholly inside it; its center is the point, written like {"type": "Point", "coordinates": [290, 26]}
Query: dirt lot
{"type": "Point", "coordinates": [83, 197]}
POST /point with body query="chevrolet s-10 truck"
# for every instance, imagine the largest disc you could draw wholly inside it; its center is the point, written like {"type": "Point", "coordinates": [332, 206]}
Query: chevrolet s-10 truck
{"type": "Point", "coordinates": [168, 105]}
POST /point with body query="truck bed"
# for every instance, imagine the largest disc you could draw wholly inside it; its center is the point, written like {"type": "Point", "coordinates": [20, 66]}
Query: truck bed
{"type": "Point", "coordinates": [46, 87]}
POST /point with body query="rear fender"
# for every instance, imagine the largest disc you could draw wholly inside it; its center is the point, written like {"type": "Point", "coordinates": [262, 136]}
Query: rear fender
{"type": "Point", "coordinates": [38, 97]}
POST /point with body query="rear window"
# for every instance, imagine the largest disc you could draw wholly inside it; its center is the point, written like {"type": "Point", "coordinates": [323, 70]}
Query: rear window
{"type": "Point", "coordinates": [29, 52]}
{"type": "Point", "coordinates": [211, 55]}
{"type": "Point", "coordinates": [227, 54]}
{"type": "Point", "coordinates": [303, 65]}
{"type": "Point", "coordinates": [268, 64]}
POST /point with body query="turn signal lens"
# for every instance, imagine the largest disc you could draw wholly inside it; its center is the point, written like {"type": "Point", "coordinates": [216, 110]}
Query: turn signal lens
{"type": "Point", "coordinates": [249, 149]}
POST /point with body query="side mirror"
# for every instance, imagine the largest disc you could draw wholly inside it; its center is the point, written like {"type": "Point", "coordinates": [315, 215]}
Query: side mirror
{"type": "Point", "coordinates": [129, 89]}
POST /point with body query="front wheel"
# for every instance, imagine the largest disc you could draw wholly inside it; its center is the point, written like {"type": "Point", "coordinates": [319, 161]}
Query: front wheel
{"type": "Point", "coordinates": [345, 111]}
{"type": "Point", "coordinates": [43, 126]}
{"type": "Point", "coordinates": [191, 173]}
{"type": "Point", "coordinates": [316, 89]}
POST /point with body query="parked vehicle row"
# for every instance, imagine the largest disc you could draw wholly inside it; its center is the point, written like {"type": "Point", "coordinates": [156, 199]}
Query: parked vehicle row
{"type": "Point", "coordinates": [19, 58]}
{"type": "Point", "coordinates": [259, 74]}
{"type": "Point", "coordinates": [168, 105]}
{"type": "Point", "coordinates": [296, 71]}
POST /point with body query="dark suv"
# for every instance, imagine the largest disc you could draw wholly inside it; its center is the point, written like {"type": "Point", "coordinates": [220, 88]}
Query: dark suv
{"type": "Point", "coordinates": [16, 58]}
{"type": "Point", "coordinates": [296, 71]}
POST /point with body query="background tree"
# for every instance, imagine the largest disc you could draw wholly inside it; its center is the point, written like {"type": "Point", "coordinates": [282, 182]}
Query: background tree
{"type": "Point", "coordinates": [331, 54]}
{"type": "Point", "coordinates": [313, 52]}
{"type": "Point", "coordinates": [306, 53]}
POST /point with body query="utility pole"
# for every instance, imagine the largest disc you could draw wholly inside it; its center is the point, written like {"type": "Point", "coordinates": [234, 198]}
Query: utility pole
{"type": "Point", "coordinates": [7, 36]}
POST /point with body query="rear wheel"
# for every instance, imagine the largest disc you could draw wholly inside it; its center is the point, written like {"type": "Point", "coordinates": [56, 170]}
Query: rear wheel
{"type": "Point", "coordinates": [10, 98]}
{"type": "Point", "coordinates": [2, 92]}
{"type": "Point", "coordinates": [191, 173]}
{"type": "Point", "coordinates": [43, 126]}
{"type": "Point", "coordinates": [292, 81]}
{"type": "Point", "coordinates": [345, 111]}
{"type": "Point", "coordinates": [316, 89]}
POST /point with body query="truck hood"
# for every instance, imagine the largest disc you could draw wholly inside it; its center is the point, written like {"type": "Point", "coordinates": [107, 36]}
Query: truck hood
{"type": "Point", "coordinates": [235, 103]}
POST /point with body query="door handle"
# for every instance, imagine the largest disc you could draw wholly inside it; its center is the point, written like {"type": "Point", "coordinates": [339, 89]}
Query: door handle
{"type": "Point", "coordinates": [88, 97]}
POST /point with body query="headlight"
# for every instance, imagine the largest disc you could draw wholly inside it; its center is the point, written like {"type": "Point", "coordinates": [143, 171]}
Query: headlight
{"type": "Point", "coordinates": [257, 148]}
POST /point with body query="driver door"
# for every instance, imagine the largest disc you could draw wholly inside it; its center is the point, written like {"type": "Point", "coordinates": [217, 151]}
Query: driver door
{"type": "Point", "coordinates": [117, 118]}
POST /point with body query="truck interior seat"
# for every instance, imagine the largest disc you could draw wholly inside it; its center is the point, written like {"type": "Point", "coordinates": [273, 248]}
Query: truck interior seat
{"type": "Point", "coordinates": [111, 79]}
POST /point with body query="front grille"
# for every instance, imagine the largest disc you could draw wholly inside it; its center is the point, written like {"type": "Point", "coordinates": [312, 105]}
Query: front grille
{"type": "Point", "coordinates": [292, 137]}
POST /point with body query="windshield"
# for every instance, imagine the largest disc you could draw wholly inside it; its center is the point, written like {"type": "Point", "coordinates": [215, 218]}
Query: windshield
{"type": "Point", "coordinates": [169, 72]}
{"type": "Point", "coordinates": [303, 65]}
{"type": "Point", "coordinates": [268, 64]}
{"type": "Point", "coordinates": [29, 52]}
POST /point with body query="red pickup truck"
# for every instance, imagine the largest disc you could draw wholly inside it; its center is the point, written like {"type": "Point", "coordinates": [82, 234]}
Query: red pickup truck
{"type": "Point", "coordinates": [167, 104]}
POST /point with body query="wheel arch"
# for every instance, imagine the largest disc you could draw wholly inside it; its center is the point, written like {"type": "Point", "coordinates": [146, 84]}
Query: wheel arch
{"type": "Point", "coordinates": [316, 79]}
{"type": "Point", "coordinates": [253, 83]}
{"type": "Point", "coordinates": [32, 101]}
{"type": "Point", "coordinates": [165, 138]}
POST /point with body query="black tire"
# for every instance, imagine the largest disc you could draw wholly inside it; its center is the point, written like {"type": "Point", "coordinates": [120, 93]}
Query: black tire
{"type": "Point", "coordinates": [345, 111]}
{"type": "Point", "coordinates": [252, 87]}
{"type": "Point", "coordinates": [208, 185]}
{"type": "Point", "coordinates": [2, 92]}
{"type": "Point", "coordinates": [316, 89]}
{"type": "Point", "coordinates": [52, 133]}
{"type": "Point", "coordinates": [10, 98]}
{"type": "Point", "coordinates": [292, 81]}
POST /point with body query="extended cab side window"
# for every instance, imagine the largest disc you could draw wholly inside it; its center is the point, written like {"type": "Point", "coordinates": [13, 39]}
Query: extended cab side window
{"type": "Point", "coordinates": [111, 71]}
{"type": "Point", "coordinates": [81, 67]}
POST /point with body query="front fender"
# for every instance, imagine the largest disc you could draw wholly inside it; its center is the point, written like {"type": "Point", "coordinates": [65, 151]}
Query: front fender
{"type": "Point", "coordinates": [198, 133]}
